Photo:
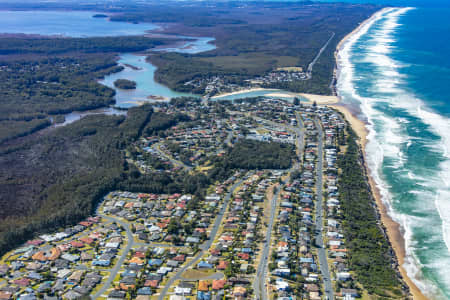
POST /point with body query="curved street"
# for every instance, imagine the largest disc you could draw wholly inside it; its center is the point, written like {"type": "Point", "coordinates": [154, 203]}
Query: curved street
{"type": "Point", "coordinates": [121, 260]}
{"type": "Point", "coordinates": [171, 159]}
{"type": "Point", "coordinates": [205, 246]}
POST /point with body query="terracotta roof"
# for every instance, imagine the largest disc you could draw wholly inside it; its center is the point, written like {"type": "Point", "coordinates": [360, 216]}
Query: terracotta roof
{"type": "Point", "coordinates": [87, 240]}
{"type": "Point", "coordinates": [5, 295]}
{"type": "Point", "coordinates": [126, 287]}
{"type": "Point", "coordinates": [222, 265]}
{"type": "Point", "coordinates": [151, 283]}
{"type": "Point", "coordinates": [77, 244]}
{"type": "Point", "coordinates": [218, 284]}
{"type": "Point", "coordinates": [85, 223]}
{"type": "Point", "coordinates": [139, 254]}
{"type": "Point", "coordinates": [203, 286]}
{"type": "Point", "coordinates": [44, 256]}
{"type": "Point", "coordinates": [136, 260]}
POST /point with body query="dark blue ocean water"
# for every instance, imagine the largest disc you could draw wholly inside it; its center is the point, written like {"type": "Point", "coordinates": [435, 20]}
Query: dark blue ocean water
{"type": "Point", "coordinates": [397, 71]}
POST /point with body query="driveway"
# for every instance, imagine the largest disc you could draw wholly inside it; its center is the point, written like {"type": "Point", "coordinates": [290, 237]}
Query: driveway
{"type": "Point", "coordinates": [205, 247]}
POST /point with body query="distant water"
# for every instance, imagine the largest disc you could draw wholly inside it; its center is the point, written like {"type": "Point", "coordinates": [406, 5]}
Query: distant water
{"type": "Point", "coordinates": [145, 72]}
{"type": "Point", "coordinates": [397, 70]}
{"type": "Point", "coordinates": [145, 83]}
{"type": "Point", "coordinates": [82, 24]}
{"type": "Point", "coordinates": [66, 23]}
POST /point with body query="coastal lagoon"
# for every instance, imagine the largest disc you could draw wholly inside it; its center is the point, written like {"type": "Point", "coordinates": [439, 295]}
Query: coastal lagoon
{"type": "Point", "coordinates": [396, 70]}
{"type": "Point", "coordinates": [82, 24]}
{"type": "Point", "coordinates": [138, 69]}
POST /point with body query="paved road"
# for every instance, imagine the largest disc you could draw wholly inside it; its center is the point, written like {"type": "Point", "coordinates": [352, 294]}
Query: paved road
{"type": "Point", "coordinates": [122, 258]}
{"type": "Point", "coordinates": [205, 246]}
{"type": "Point", "coordinates": [300, 130]}
{"type": "Point", "coordinates": [227, 142]}
{"type": "Point", "coordinates": [323, 263]}
{"type": "Point", "coordinates": [172, 160]}
{"type": "Point", "coordinates": [228, 139]}
{"type": "Point", "coordinates": [259, 285]}
{"type": "Point", "coordinates": [311, 65]}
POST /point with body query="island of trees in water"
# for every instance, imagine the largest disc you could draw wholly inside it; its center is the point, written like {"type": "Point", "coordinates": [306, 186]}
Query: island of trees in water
{"type": "Point", "coordinates": [125, 84]}
{"type": "Point", "coordinates": [56, 178]}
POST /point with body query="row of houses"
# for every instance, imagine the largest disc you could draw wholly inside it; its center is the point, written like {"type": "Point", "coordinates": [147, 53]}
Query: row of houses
{"type": "Point", "coordinates": [334, 127]}
{"type": "Point", "coordinates": [66, 264]}
{"type": "Point", "coordinates": [293, 258]}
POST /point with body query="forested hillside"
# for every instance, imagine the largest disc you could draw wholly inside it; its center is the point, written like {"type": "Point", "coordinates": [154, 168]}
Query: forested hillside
{"type": "Point", "coordinates": [41, 78]}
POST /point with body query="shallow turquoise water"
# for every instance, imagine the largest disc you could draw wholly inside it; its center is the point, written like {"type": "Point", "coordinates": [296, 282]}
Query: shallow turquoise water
{"type": "Point", "coordinates": [397, 72]}
{"type": "Point", "coordinates": [145, 83]}
{"type": "Point", "coordinates": [82, 24]}
{"type": "Point", "coordinates": [144, 77]}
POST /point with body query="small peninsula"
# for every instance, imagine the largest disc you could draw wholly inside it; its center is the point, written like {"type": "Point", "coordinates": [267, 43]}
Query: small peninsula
{"type": "Point", "coordinates": [100, 16]}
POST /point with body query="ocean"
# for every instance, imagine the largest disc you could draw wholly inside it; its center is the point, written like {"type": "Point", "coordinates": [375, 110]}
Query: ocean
{"type": "Point", "coordinates": [396, 72]}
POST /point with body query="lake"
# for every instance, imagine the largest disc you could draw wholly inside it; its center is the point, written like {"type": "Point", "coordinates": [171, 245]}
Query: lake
{"type": "Point", "coordinates": [67, 23]}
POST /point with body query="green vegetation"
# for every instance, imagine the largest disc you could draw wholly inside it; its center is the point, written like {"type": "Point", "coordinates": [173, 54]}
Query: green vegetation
{"type": "Point", "coordinates": [125, 84]}
{"type": "Point", "coordinates": [46, 46]}
{"type": "Point", "coordinates": [57, 179]}
{"type": "Point", "coordinates": [370, 254]}
{"type": "Point", "coordinates": [31, 91]}
{"type": "Point", "coordinates": [267, 37]}
{"type": "Point", "coordinates": [13, 129]}
{"type": "Point", "coordinates": [250, 155]}
{"type": "Point", "coordinates": [34, 87]}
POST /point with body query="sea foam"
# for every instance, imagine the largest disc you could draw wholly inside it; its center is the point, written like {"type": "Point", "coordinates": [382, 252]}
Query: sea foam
{"type": "Point", "coordinates": [390, 138]}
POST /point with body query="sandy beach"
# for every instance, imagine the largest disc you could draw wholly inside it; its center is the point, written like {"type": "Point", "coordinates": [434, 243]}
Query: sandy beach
{"type": "Point", "coordinates": [348, 36]}
{"type": "Point", "coordinates": [241, 92]}
{"type": "Point", "coordinates": [320, 99]}
{"type": "Point", "coordinates": [392, 228]}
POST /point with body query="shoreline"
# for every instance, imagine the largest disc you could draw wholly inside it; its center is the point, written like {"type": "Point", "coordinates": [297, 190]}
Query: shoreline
{"type": "Point", "coordinates": [249, 90]}
{"type": "Point", "coordinates": [319, 99]}
{"type": "Point", "coordinates": [392, 228]}
{"type": "Point", "coordinates": [342, 42]}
